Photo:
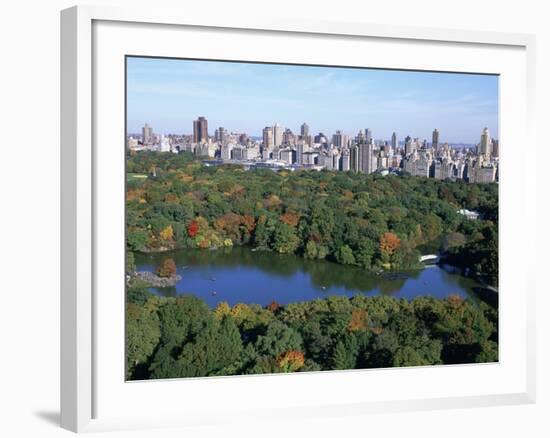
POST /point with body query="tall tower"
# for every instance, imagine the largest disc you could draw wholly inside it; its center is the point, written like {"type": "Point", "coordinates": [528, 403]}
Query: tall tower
{"type": "Point", "coordinates": [368, 135]}
{"type": "Point", "coordinates": [495, 148]}
{"type": "Point", "coordinates": [485, 145]}
{"type": "Point", "coordinates": [408, 145]}
{"type": "Point", "coordinates": [200, 130]}
{"type": "Point", "coordinates": [221, 135]}
{"type": "Point", "coordinates": [277, 134]}
{"type": "Point", "coordinates": [354, 159]}
{"type": "Point", "coordinates": [435, 140]}
{"type": "Point", "coordinates": [300, 152]}
{"type": "Point", "coordinates": [394, 141]}
{"type": "Point", "coordinates": [365, 157]}
{"type": "Point", "coordinates": [339, 139]}
{"type": "Point", "coordinates": [304, 130]}
{"type": "Point", "coordinates": [345, 159]}
{"type": "Point", "coordinates": [147, 134]}
{"type": "Point", "coordinates": [267, 135]}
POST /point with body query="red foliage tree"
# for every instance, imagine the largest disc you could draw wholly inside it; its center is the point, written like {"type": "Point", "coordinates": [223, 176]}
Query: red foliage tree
{"type": "Point", "coordinates": [192, 229]}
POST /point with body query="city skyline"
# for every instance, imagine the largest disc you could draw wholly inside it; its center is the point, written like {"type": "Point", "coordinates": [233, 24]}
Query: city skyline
{"type": "Point", "coordinates": [245, 97]}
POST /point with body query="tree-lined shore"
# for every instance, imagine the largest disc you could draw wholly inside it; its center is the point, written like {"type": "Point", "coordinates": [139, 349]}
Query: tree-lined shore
{"type": "Point", "coordinates": [370, 221]}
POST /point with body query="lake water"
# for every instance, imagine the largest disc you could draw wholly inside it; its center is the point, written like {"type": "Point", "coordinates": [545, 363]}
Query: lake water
{"type": "Point", "coordinates": [240, 275]}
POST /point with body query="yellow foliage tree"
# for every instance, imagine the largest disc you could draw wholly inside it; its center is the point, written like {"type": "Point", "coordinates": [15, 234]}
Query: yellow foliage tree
{"type": "Point", "coordinates": [167, 234]}
{"type": "Point", "coordinates": [221, 310]}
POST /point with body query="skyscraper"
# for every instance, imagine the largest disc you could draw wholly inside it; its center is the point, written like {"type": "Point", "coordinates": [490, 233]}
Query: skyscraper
{"type": "Point", "coordinates": [495, 148]}
{"type": "Point", "coordinates": [164, 144]}
{"type": "Point", "coordinates": [288, 137]}
{"type": "Point", "coordinates": [408, 145]}
{"type": "Point", "coordinates": [278, 131]}
{"type": "Point", "coordinates": [300, 152]}
{"type": "Point", "coordinates": [200, 130]}
{"type": "Point", "coordinates": [304, 130]}
{"type": "Point", "coordinates": [368, 135]}
{"type": "Point", "coordinates": [345, 160]}
{"type": "Point", "coordinates": [267, 135]}
{"type": "Point", "coordinates": [354, 159]}
{"type": "Point", "coordinates": [394, 141]}
{"type": "Point", "coordinates": [147, 134]}
{"type": "Point", "coordinates": [221, 135]}
{"type": "Point", "coordinates": [339, 139]}
{"type": "Point", "coordinates": [485, 145]}
{"type": "Point", "coordinates": [365, 157]}
{"type": "Point", "coordinates": [435, 140]}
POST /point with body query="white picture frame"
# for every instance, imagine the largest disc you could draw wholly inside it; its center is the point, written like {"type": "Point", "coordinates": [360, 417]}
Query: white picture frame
{"type": "Point", "coordinates": [83, 319]}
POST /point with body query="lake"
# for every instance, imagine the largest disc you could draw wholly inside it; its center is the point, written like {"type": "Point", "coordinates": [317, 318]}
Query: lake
{"type": "Point", "coordinates": [241, 275]}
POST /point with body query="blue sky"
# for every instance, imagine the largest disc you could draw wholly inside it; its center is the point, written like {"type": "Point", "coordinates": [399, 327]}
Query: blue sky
{"type": "Point", "coordinates": [169, 94]}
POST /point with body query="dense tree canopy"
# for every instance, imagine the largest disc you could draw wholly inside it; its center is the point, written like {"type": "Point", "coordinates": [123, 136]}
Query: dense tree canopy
{"type": "Point", "coordinates": [370, 221]}
{"type": "Point", "coordinates": [182, 337]}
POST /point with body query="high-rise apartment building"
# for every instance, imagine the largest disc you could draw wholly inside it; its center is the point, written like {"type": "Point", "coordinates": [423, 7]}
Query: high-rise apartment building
{"type": "Point", "coordinates": [435, 140]}
{"type": "Point", "coordinates": [278, 131]}
{"type": "Point", "coordinates": [408, 145]}
{"type": "Point", "coordinates": [365, 155]}
{"type": "Point", "coordinates": [289, 138]}
{"type": "Point", "coordinates": [368, 135]}
{"type": "Point", "coordinates": [221, 135]}
{"type": "Point", "coordinates": [485, 145]}
{"type": "Point", "coordinates": [394, 141]}
{"type": "Point", "coordinates": [147, 134]}
{"type": "Point", "coordinates": [340, 140]}
{"type": "Point", "coordinates": [345, 161]}
{"type": "Point", "coordinates": [300, 153]}
{"type": "Point", "coordinates": [267, 138]}
{"type": "Point", "coordinates": [200, 130]}
{"type": "Point", "coordinates": [304, 130]}
{"type": "Point", "coordinates": [495, 148]}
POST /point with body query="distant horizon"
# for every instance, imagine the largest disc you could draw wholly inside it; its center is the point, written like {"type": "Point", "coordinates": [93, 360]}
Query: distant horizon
{"type": "Point", "coordinates": [168, 94]}
{"type": "Point", "coordinates": [211, 134]}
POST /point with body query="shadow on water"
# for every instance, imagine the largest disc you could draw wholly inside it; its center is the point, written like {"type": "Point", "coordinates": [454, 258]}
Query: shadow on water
{"type": "Point", "coordinates": [487, 295]}
{"type": "Point", "coordinates": [242, 275]}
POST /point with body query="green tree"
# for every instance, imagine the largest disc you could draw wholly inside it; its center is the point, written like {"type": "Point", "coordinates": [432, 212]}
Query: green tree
{"type": "Point", "coordinates": [345, 255]}
{"type": "Point", "coordinates": [285, 240]}
{"type": "Point", "coordinates": [136, 240]}
{"type": "Point", "coordinates": [142, 336]}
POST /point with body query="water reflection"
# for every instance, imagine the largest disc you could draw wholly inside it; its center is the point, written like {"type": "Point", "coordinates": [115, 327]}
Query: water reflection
{"type": "Point", "coordinates": [243, 275]}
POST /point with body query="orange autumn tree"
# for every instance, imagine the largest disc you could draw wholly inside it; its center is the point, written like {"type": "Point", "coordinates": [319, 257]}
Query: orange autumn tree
{"type": "Point", "coordinates": [229, 225]}
{"type": "Point", "coordinates": [290, 218]}
{"type": "Point", "coordinates": [167, 268]}
{"type": "Point", "coordinates": [389, 243]}
{"type": "Point", "coordinates": [358, 321]}
{"type": "Point", "coordinates": [290, 361]}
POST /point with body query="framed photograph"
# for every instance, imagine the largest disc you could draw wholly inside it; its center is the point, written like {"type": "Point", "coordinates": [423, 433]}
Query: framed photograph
{"type": "Point", "coordinates": [289, 218]}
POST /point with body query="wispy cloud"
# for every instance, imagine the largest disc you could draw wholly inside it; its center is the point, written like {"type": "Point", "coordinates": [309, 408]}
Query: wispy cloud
{"type": "Point", "coordinates": [251, 96]}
